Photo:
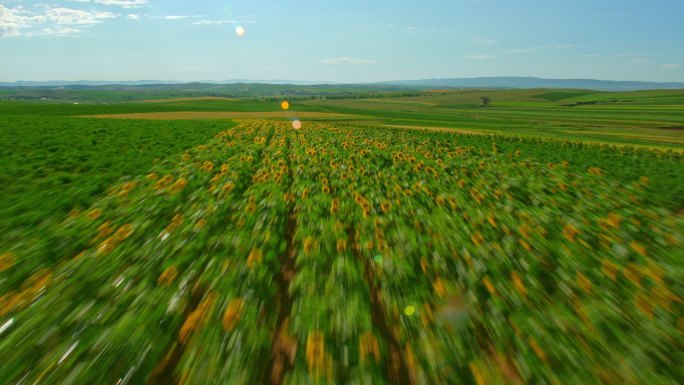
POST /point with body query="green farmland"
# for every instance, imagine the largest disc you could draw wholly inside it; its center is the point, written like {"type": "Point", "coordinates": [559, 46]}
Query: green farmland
{"type": "Point", "coordinates": [415, 238]}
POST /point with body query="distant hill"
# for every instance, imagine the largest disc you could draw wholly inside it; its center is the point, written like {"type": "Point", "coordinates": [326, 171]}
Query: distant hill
{"type": "Point", "coordinates": [532, 82]}
{"type": "Point", "coordinates": [98, 83]}
{"type": "Point", "coordinates": [483, 82]}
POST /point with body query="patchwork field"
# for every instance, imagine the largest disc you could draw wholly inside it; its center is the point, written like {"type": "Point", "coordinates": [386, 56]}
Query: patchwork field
{"type": "Point", "coordinates": [647, 117]}
{"type": "Point", "coordinates": [210, 115]}
{"type": "Point", "coordinates": [414, 240]}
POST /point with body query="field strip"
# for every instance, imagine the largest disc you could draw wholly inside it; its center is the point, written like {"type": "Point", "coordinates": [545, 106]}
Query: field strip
{"type": "Point", "coordinates": [175, 100]}
{"type": "Point", "coordinates": [459, 130]}
{"type": "Point", "coordinates": [466, 131]}
{"type": "Point", "coordinates": [537, 119]}
{"type": "Point", "coordinates": [201, 115]}
{"type": "Point", "coordinates": [662, 139]}
{"type": "Point", "coordinates": [407, 102]}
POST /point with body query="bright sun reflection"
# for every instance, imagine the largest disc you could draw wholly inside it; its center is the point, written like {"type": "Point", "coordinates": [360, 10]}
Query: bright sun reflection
{"type": "Point", "coordinates": [240, 31]}
{"type": "Point", "coordinates": [285, 105]}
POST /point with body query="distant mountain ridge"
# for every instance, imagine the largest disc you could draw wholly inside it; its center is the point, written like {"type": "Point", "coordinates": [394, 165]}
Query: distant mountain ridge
{"type": "Point", "coordinates": [479, 82]}
{"type": "Point", "coordinates": [98, 83]}
{"type": "Point", "coordinates": [533, 82]}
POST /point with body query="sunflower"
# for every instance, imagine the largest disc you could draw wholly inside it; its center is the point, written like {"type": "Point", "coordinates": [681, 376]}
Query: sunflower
{"type": "Point", "coordinates": [233, 313]}
{"type": "Point", "coordinates": [644, 305]}
{"type": "Point", "coordinates": [386, 206]}
{"type": "Point", "coordinates": [335, 206]}
{"type": "Point", "coordinates": [638, 248]}
{"type": "Point", "coordinates": [104, 229]}
{"type": "Point", "coordinates": [179, 185]}
{"type": "Point", "coordinates": [208, 166]}
{"type": "Point", "coordinates": [488, 284]}
{"type": "Point", "coordinates": [308, 244]}
{"type": "Point", "coordinates": [341, 245]}
{"type": "Point", "coordinates": [168, 276]}
{"type": "Point", "coordinates": [518, 284]}
{"type": "Point", "coordinates": [94, 213]}
{"type": "Point", "coordinates": [569, 232]}
{"type": "Point", "coordinates": [477, 238]}
{"type": "Point", "coordinates": [228, 187]}
{"type": "Point", "coordinates": [163, 182]}
{"type": "Point", "coordinates": [368, 345]}
{"type": "Point", "coordinates": [595, 171]}
{"type": "Point", "coordinates": [254, 258]}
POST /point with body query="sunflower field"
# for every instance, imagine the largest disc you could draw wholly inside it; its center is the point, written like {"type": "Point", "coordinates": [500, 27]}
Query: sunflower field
{"type": "Point", "coordinates": [351, 254]}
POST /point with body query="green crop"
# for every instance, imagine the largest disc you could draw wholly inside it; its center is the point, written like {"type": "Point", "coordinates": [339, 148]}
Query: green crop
{"type": "Point", "coordinates": [355, 254]}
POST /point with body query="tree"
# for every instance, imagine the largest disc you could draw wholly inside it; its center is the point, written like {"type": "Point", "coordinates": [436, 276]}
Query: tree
{"type": "Point", "coordinates": [486, 101]}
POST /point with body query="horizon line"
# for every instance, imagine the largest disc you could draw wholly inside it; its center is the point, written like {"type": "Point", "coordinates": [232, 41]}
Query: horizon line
{"type": "Point", "coordinates": [323, 82]}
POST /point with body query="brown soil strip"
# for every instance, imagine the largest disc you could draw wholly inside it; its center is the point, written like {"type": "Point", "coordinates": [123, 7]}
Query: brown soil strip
{"type": "Point", "coordinates": [208, 115]}
{"type": "Point", "coordinates": [164, 373]}
{"type": "Point", "coordinates": [397, 372]}
{"type": "Point", "coordinates": [284, 346]}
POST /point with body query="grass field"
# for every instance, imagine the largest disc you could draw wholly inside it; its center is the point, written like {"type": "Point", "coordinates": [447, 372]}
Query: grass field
{"type": "Point", "coordinates": [409, 240]}
{"type": "Point", "coordinates": [211, 115]}
{"type": "Point", "coordinates": [647, 118]}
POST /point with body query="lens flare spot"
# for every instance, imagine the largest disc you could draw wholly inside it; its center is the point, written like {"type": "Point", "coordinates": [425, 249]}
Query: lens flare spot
{"type": "Point", "coordinates": [240, 31]}
{"type": "Point", "coordinates": [296, 124]}
{"type": "Point", "coordinates": [410, 310]}
{"type": "Point", "coordinates": [377, 258]}
{"type": "Point", "coordinates": [285, 105]}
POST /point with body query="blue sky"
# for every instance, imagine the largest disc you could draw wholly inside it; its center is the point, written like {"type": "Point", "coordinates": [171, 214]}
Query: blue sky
{"type": "Point", "coordinates": [342, 41]}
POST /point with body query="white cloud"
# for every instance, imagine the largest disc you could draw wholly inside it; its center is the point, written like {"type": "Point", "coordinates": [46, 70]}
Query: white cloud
{"type": "Point", "coordinates": [133, 16]}
{"type": "Point", "coordinates": [13, 20]}
{"type": "Point", "coordinates": [119, 3]}
{"type": "Point", "coordinates": [482, 56]}
{"type": "Point", "coordinates": [174, 17]}
{"type": "Point", "coordinates": [67, 16]}
{"type": "Point", "coordinates": [219, 22]}
{"type": "Point", "coordinates": [124, 3]}
{"type": "Point", "coordinates": [211, 22]}
{"type": "Point", "coordinates": [59, 21]}
{"type": "Point", "coordinates": [347, 60]}
{"type": "Point", "coordinates": [672, 66]}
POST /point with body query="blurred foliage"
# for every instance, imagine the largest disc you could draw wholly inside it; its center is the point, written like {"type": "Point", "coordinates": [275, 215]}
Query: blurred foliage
{"type": "Point", "coordinates": [354, 254]}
